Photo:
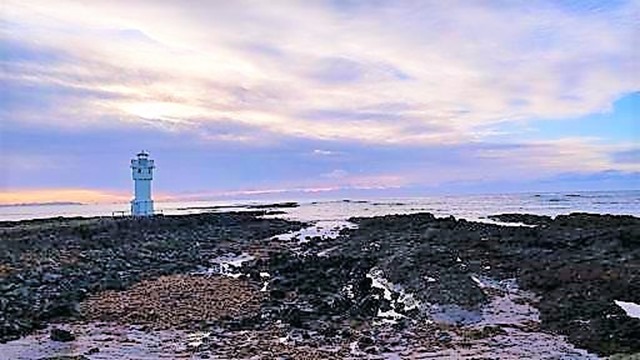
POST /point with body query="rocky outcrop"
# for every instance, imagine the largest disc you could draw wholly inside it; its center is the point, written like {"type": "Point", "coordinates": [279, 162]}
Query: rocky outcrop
{"type": "Point", "coordinates": [50, 266]}
{"type": "Point", "coordinates": [403, 284]}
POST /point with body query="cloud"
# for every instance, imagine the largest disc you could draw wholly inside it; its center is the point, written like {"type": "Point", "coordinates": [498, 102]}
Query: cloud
{"type": "Point", "coordinates": [338, 70]}
{"type": "Point", "coordinates": [631, 156]}
{"type": "Point", "coordinates": [335, 174]}
{"type": "Point", "coordinates": [187, 164]}
{"type": "Point", "coordinates": [451, 70]}
{"type": "Point", "coordinates": [325, 95]}
{"type": "Point", "coordinates": [577, 154]}
{"type": "Point", "coordinates": [24, 196]}
{"type": "Point", "coordinates": [321, 152]}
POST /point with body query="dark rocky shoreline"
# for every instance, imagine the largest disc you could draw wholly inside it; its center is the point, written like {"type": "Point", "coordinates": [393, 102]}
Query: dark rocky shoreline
{"type": "Point", "coordinates": [577, 264]}
{"type": "Point", "coordinates": [50, 266]}
{"type": "Point", "coordinates": [323, 295]}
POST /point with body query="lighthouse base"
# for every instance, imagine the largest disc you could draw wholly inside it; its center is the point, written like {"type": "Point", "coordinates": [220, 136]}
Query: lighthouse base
{"type": "Point", "coordinates": [142, 207]}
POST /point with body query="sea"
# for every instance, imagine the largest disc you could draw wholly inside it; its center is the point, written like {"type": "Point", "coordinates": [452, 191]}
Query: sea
{"type": "Point", "coordinates": [469, 207]}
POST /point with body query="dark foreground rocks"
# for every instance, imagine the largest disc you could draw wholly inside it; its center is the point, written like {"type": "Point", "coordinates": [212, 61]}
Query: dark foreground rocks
{"type": "Point", "coordinates": [527, 219]}
{"type": "Point", "coordinates": [47, 267]}
{"type": "Point", "coordinates": [411, 285]}
{"type": "Point", "coordinates": [577, 264]}
{"type": "Point", "coordinates": [62, 335]}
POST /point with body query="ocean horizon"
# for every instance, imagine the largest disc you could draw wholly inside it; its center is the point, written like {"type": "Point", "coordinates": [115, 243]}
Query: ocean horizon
{"type": "Point", "coordinates": [469, 207]}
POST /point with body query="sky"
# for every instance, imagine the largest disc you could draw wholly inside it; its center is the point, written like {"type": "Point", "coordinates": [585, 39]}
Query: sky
{"type": "Point", "coordinates": [237, 99]}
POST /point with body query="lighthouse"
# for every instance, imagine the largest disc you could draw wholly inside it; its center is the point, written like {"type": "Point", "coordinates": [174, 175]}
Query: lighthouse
{"type": "Point", "coordinates": [142, 173]}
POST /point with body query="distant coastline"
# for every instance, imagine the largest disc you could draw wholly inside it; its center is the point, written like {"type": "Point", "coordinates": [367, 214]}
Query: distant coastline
{"type": "Point", "coordinates": [53, 203]}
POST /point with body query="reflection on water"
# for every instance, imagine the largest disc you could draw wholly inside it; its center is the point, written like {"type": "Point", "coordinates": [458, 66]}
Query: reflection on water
{"type": "Point", "coordinates": [102, 341]}
{"type": "Point", "coordinates": [631, 309]}
{"type": "Point", "coordinates": [326, 229]}
{"type": "Point", "coordinates": [471, 207]}
{"type": "Point", "coordinates": [510, 310]}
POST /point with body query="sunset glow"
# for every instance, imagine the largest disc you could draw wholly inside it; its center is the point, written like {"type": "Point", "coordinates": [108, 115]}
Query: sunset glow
{"type": "Point", "coordinates": [230, 96]}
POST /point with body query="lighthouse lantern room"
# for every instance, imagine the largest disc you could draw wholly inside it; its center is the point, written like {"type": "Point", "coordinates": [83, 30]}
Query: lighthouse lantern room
{"type": "Point", "coordinates": [142, 173]}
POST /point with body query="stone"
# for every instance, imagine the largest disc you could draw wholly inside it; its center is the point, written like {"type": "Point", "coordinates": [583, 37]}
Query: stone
{"type": "Point", "coordinates": [61, 335]}
{"type": "Point", "coordinates": [92, 351]}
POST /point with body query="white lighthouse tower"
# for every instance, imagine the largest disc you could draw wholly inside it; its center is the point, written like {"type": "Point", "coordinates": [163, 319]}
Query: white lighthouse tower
{"type": "Point", "coordinates": [142, 173]}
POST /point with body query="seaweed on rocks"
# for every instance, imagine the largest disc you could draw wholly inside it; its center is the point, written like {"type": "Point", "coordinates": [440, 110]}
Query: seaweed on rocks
{"type": "Point", "coordinates": [290, 204]}
{"type": "Point", "coordinates": [52, 265]}
{"type": "Point", "coordinates": [177, 301]}
{"type": "Point", "coordinates": [414, 250]}
{"type": "Point", "coordinates": [577, 264]}
{"type": "Point", "coordinates": [527, 219]}
{"type": "Point", "coordinates": [334, 287]}
{"type": "Point", "coordinates": [398, 282]}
